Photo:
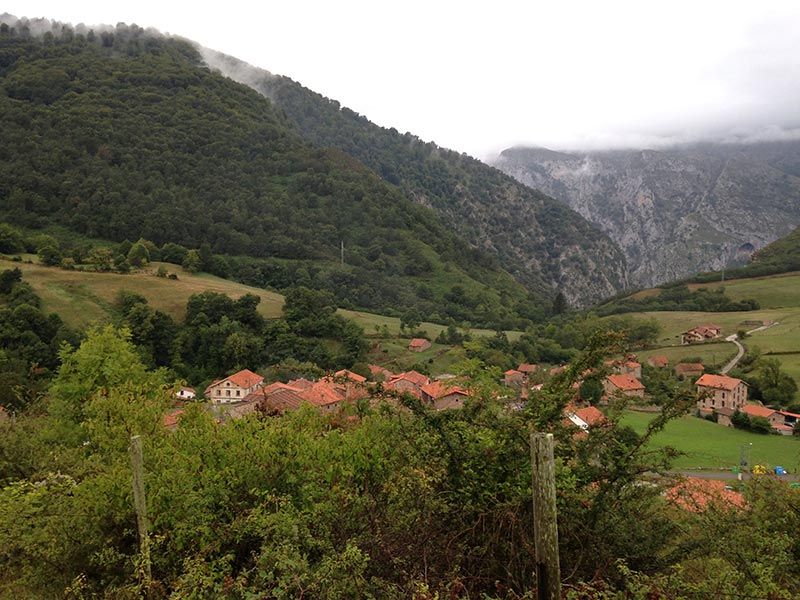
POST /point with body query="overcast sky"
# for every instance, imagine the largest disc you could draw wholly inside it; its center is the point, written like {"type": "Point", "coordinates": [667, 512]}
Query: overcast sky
{"type": "Point", "coordinates": [481, 76]}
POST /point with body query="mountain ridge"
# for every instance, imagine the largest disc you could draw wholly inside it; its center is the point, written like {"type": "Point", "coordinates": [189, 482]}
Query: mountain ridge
{"type": "Point", "coordinates": [675, 212]}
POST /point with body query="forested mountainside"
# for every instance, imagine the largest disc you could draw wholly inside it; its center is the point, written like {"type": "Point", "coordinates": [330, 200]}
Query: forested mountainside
{"type": "Point", "coordinates": [126, 134]}
{"type": "Point", "coordinates": [678, 211]}
{"type": "Point", "coordinates": [536, 238]}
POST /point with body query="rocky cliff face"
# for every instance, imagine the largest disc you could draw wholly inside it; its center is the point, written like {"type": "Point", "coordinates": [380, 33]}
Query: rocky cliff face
{"type": "Point", "coordinates": [674, 212]}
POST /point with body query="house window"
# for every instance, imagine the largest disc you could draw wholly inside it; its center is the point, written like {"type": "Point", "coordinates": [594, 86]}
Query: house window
{"type": "Point", "coordinates": [227, 392]}
{"type": "Point", "coordinates": [723, 394]}
{"type": "Point", "coordinates": [238, 392]}
{"type": "Point", "coordinates": [219, 392]}
{"type": "Point", "coordinates": [723, 404]}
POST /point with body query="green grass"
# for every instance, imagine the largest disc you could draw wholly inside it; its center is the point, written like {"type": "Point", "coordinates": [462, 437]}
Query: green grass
{"type": "Point", "coordinates": [775, 291]}
{"type": "Point", "coordinates": [708, 445]}
{"type": "Point", "coordinates": [82, 297]}
{"type": "Point", "coordinates": [393, 354]}
{"type": "Point", "coordinates": [712, 355]}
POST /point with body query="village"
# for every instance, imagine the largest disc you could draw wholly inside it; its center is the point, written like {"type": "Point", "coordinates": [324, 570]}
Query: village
{"type": "Point", "coordinates": [719, 397]}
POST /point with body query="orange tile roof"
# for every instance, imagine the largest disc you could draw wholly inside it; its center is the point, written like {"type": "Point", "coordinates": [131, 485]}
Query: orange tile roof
{"type": "Point", "coordinates": [437, 389]}
{"type": "Point", "coordinates": [322, 393]}
{"type": "Point", "coordinates": [171, 418]}
{"type": "Point", "coordinates": [283, 399]}
{"type": "Point", "coordinates": [754, 410]}
{"type": "Point", "coordinates": [590, 415]}
{"type": "Point", "coordinates": [379, 370]}
{"type": "Point", "coordinates": [273, 387]}
{"type": "Point", "coordinates": [513, 372]}
{"type": "Point", "coordinates": [350, 375]}
{"type": "Point", "coordinates": [302, 383]}
{"type": "Point", "coordinates": [658, 361]}
{"type": "Point", "coordinates": [527, 367]}
{"type": "Point", "coordinates": [418, 343]}
{"type": "Point", "coordinates": [695, 495]}
{"type": "Point", "coordinates": [625, 382]}
{"type": "Point", "coordinates": [245, 378]}
{"type": "Point", "coordinates": [414, 377]}
{"type": "Point", "coordinates": [718, 382]}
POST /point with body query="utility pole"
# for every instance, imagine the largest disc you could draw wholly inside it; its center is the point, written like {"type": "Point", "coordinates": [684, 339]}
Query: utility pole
{"type": "Point", "coordinates": [140, 503]}
{"type": "Point", "coordinates": [342, 252]}
{"type": "Point", "coordinates": [545, 527]}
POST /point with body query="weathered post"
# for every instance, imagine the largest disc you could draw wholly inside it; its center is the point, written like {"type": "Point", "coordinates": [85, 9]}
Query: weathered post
{"type": "Point", "coordinates": [140, 503]}
{"type": "Point", "coordinates": [545, 527]}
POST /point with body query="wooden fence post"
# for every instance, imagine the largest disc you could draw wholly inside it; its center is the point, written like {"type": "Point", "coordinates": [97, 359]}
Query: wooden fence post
{"type": "Point", "coordinates": [140, 503]}
{"type": "Point", "coordinates": [545, 527]}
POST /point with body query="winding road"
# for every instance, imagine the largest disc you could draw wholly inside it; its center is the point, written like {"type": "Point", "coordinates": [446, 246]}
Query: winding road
{"type": "Point", "coordinates": [734, 338]}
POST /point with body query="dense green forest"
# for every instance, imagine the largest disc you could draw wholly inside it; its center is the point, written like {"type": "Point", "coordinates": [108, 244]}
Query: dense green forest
{"type": "Point", "coordinates": [537, 238]}
{"type": "Point", "coordinates": [127, 135]}
{"type": "Point", "coordinates": [29, 342]}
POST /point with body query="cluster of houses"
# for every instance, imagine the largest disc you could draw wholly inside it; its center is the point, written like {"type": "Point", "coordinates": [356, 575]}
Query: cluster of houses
{"type": "Point", "coordinates": [245, 392]}
{"type": "Point", "coordinates": [701, 333]}
{"type": "Point", "coordinates": [723, 396]}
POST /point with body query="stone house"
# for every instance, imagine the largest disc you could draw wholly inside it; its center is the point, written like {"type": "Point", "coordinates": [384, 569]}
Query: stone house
{"type": "Point", "coordinates": [617, 383]}
{"type": "Point", "coordinates": [442, 396]}
{"type": "Point", "coordinates": [234, 388]}
{"type": "Point", "coordinates": [720, 391]}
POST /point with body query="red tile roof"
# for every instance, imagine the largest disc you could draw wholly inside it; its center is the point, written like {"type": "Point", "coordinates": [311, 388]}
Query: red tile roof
{"type": "Point", "coordinates": [283, 399]}
{"type": "Point", "coordinates": [527, 367]}
{"type": "Point", "coordinates": [513, 372]}
{"type": "Point", "coordinates": [695, 495]}
{"type": "Point", "coordinates": [377, 370]}
{"type": "Point", "coordinates": [322, 393]}
{"type": "Point", "coordinates": [418, 343]}
{"type": "Point", "coordinates": [718, 382]}
{"type": "Point", "coordinates": [625, 382]}
{"type": "Point", "coordinates": [437, 389]}
{"type": "Point", "coordinates": [171, 418]}
{"type": "Point", "coordinates": [754, 410]}
{"type": "Point", "coordinates": [414, 377]}
{"type": "Point", "coordinates": [245, 378]}
{"type": "Point", "coordinates": [590, 415]}
{"type": "Point", "coordinates": [660, 361]}
{"type": "Point", "coordinates": [302, 383]}
{"type": "Point", "coordinates": [350, 375]}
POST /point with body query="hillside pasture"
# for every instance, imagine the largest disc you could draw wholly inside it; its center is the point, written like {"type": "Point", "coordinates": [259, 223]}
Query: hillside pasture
{"type": "Point", "coordinates": [85, 297]}
{"type": "Point", "coordinates": [775, 291]}
{"type": "Point", "coordinates": [707, 445]}
{"type": "Point", "coordinates": [712, 355]}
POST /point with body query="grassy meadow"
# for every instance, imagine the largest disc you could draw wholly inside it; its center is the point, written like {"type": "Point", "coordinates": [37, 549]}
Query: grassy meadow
{"type": "Point", "coordinates": [707, 445]}
{"type": "Point", "coordinates": [779, 297]}
{"type": "Point", "coordinates": [82, 298]}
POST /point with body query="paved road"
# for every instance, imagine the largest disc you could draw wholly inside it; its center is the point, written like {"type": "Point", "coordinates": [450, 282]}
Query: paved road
{"type": "Point", "coordinates": [727, 475]}
{"type": "Point", "coordinates": [734, 338]}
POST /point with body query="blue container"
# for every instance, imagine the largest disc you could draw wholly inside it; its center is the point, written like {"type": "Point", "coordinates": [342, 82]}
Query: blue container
{"type": "Point", "coordinates": [780, 471]}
